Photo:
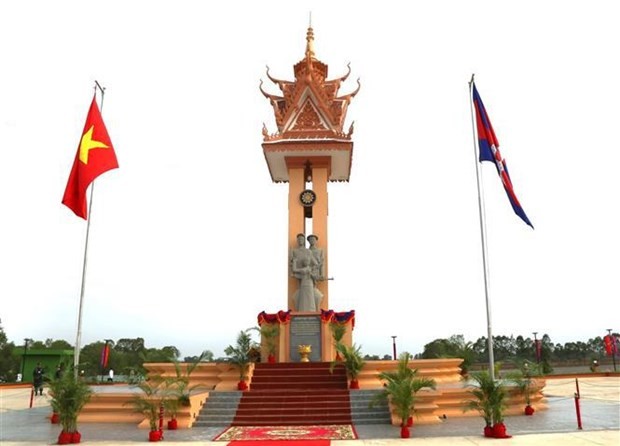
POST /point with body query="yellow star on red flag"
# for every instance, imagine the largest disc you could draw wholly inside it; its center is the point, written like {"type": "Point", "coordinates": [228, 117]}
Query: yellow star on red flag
{"type": "Point", "coordinates": [87, 143]}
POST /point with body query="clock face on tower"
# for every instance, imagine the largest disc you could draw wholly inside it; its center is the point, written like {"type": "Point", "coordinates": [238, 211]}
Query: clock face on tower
{"type": "Point", "coordinates": [307, 197]}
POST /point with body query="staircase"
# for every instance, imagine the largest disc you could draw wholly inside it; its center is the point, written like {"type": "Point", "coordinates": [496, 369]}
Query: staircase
{"type": "Point", "coordinates": [295, 394]}
{"type": "Point", "coordinates": [362, 413]}
{"type": "Point", "coordinates": [219, 410]}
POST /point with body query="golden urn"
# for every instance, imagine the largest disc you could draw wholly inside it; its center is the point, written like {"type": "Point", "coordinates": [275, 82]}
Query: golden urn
{"type": "Point", "coordinates": [304, 351]}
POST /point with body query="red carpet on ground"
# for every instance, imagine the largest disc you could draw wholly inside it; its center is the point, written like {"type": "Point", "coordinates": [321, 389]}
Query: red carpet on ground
{"type": "Point", "coordinates": [307, 434]}
{"type": "Point", "coordinates": [280, 443]}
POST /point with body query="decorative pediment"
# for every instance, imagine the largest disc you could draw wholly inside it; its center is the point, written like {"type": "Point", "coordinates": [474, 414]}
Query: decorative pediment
{"type": "Point", "coordinates": [308, 119]}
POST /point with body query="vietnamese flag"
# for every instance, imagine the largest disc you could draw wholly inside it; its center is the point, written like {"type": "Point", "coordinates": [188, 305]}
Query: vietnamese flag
{"type": "Point", "coordinates": [95, 155]}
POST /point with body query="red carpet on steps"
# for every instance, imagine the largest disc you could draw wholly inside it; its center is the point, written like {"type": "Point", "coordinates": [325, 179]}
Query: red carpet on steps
{"type": "Point", "coordinates": [295, 394]}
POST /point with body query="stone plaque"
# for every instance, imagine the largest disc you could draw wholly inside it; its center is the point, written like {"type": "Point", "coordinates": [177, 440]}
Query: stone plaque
{"type": "Point", "coordinates": [306, 330]}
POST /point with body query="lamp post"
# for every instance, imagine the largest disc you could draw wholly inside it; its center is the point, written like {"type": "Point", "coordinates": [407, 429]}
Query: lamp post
{"type": "Point", "coordinates": [394, 347]}
{"type": "Point", "coordinates": [26, 342]}
{"type": "Point", "coordinates": [613, 347]}
{"type": "Point", "coordinates": [536, 348]}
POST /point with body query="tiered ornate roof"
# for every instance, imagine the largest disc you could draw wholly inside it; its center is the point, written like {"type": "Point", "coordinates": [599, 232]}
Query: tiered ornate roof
{"type": "Point", "coordinates": [309, 110]}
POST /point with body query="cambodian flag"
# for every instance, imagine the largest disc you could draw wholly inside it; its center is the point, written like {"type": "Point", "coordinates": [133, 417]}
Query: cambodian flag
{"type": "Point", "coordinates": [489, 151]}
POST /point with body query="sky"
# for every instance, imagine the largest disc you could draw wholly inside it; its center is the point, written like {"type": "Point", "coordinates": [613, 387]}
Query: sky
{"type": "Point", "coordinates": [188, 238]}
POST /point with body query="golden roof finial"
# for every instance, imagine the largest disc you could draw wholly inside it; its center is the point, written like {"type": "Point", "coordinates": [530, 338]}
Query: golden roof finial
{"type": "Point", "coordinates": [310, 40]}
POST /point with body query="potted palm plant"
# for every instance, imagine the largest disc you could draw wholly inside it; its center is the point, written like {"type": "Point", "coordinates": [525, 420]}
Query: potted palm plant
{"type": "Point", "coordinates": [488, 398]}
{"type": "Point", "coordinates": [353, 362]}
{"type": "Point", "coordinates": [69, 395]}
{"type": "Point", "coordinates": [522, 379]}
{"type": "Point", "coordinates": [338, 331]}
{"type": "Point", "coordinates": [239, 355]}
{"type": "Point", "coordinates": [150, 403]}
{"type": "Point", "coordinates": [171, 407]}
{"type": "Point", "coordinates": [178, 389]}
{"type": "Point", "coordinates": [498, 404]}
{"type": "Point", "coordinates": [269, 333]}
{"type": "Point", "coordinates": [480, 400]}
{"type": "Point", "coordinates": [401, 388]}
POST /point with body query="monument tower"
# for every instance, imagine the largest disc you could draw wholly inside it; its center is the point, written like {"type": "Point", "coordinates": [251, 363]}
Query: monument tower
{"type": "Point", "coordinates": [308, 150]}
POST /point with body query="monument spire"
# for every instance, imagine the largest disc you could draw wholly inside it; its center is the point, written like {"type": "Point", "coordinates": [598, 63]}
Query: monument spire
{"type": "Point", "coordinates": [310, 42]}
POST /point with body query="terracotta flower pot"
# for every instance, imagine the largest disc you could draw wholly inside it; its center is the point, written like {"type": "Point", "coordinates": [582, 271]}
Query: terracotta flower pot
{"type": "Point", "coordinates": [64, 437]}
{"type": "Point", "coordinates": [404, 432]}
{"type": "Point", "coordinates": [154, 435]}
{"type": "Point", "coordinates": [173, 424]}
{"type": "Point", "coordinates": [529, 410]}
{"type": "Point", "coordinates": [355, 384]}
{"type": "Point", "coordinates": [76, 437]}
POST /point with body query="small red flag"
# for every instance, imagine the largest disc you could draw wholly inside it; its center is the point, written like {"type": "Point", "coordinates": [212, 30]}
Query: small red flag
{"type": "Point", "coordinates": [105, 355]}
{"type": "Point", "coordinates": [95, 155]}
{"type": "Point", "coordinates": [608, 340]}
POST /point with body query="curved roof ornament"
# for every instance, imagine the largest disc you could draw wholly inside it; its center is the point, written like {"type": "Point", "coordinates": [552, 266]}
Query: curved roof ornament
{"type": "Point", "coordinates": [359, 85]}
{"type": "Point", "coordinates": [350, 129]}
{"type": "Point", "coordinates": [352, 95]}
{"type": "Point", "coordinates": [340, 80]}
{"type": "Point", "coordinates": [279, 82]}
{"type": "Point", "coordinates": [344, 78]}
{"type": "Point", "coordinates": [267, 95]}
{"type": "Point", "coordinates": [260, 87]}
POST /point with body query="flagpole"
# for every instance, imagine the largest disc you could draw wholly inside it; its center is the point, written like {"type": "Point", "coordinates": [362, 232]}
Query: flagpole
{"type": "Point", "coordinates": [481, 212]}
{"type": "Point", "coordinates": [78, 338]}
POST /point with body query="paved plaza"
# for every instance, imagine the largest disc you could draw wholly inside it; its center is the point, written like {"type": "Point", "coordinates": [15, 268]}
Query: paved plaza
{"type": "Point", "coordinates": [600, 411]}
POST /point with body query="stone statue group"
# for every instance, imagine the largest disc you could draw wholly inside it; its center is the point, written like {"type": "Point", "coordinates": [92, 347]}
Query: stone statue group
{"type": "Point", "coordinates": [306, 266]}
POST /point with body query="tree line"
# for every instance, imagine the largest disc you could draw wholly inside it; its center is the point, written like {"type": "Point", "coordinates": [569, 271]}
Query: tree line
{"type": "Point", "coordinates": [516, 349]}
{"type": "Point", "coordinates": [127, 355]}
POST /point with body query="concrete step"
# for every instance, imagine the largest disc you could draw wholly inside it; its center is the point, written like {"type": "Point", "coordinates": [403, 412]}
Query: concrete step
{"type": "Point", "coordinates": [367, 409]}
{"type": "Point", "coordinates": [219, 409]}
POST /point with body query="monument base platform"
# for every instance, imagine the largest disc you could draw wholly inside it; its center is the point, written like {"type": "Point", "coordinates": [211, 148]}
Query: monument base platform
{"type": "Point", "coordinates": [303, 331]}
